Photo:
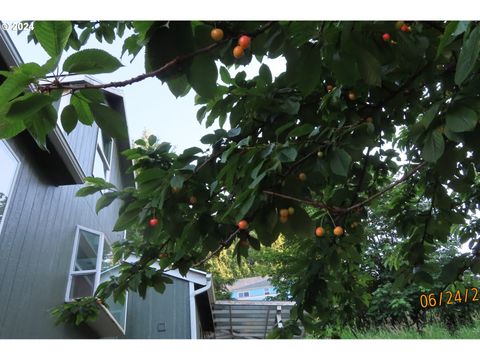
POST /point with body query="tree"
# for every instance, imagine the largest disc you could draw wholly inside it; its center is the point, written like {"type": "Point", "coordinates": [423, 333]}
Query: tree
{"type": "Point", "coordinates": [362, 108]}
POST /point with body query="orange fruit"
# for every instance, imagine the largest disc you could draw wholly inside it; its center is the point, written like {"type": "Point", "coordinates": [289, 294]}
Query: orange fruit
{"type": "Point", "coordinates": [243, 224]}
{"type": "Point", "coordinates": [319, 231]}
{"type": "Point", "coordinates": [238, 52]}
{"type": "Point", "coordinates": [283, 219]}
{"type": "Point", "coordinates": [216, 34]}
{"type": "Point", "coordinates": [338, 231]}
{"type": "Point", "coordinates": [284, 212]}
{"type": "Point", "coordinates": [352, 96]}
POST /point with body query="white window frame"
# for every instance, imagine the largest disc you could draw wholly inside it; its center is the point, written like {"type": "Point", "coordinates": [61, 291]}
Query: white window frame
{"type": "Point", "coordinates": [13, 184]}
{"type": "Point", "coordinates": [98, 266]}
{"type": "Point", "coordinates": [99, 149]}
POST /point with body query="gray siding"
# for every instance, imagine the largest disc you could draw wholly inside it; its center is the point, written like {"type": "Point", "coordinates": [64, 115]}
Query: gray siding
{"type": "Point", "coordinates": [36, 244]}
{"type": "Point", "coordinates": [83, 141]}
{"type": "Point", "coordinates": [169, 311]}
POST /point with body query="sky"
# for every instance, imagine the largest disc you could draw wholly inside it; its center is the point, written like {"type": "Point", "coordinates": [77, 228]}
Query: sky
{"type": "Point", "coordinates": [149, 105]}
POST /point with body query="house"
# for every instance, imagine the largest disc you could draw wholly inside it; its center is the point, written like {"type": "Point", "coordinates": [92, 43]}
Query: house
{"type": "Point", "coordinates": [54, 247]}
{"type": "Point", "coordinates": [253, 288]}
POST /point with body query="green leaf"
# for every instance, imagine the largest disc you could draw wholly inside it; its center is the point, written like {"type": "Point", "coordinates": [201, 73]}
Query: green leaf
{"type": "Point", "coordinates": [225, 75]}
{"type": "Point", "coordinates": [460, 119]}
{"type": "Point", "coordinates": [288, 154]}
{"type": "Point", "coordinates": [41, 123]}
{"type": "Point", "coordinates": [27, 105]}
{"type": "Point", "coordinates": [105, 200]}
{"type": "Point", "coordinates": [202, 75]}
{"type": "Point", "coordinates": [83, 109]}
{"type": "Point", "coordinates": [53, 35]}
{"type": "Point", "coordinates": [91, 95]}
{"type": "Point", "coordinates": [340, 162]}
{"type": "Point", "coordinates": [91, 61]}
{"type": "Point", "coordinates": [370, 68]}
{"type": "Point", "coordinates": [13, 86]}
{"type": "Point", "coordinates": [9, 127]}
{"type": "Point", "coordinates": [426, 118]}
{"type": "Point", "coordinates": [110, 121]}
{"type": "Point", "coordinates": [433, 147]}
{"type": "Point", "coordinates": [179, 87]}
{"type": "Point", "coordinates": [468, 56]}
{"type": "Point", "coordinates": [69, 118]}
{"type": "Point", "coordinates": [301, 130]}
{"type": "Point", "coordinates": [87, 190]}
{"type": "Point", "coordinates": [177, 181]}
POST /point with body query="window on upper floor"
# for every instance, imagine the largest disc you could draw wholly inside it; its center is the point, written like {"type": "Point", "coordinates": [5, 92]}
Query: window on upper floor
{"type": "Point", "coordinates": [9, 165]}
{"type": "Point", "coordinates": [91, 265]}
{"type": "Point", "coordinates": [103, 156]}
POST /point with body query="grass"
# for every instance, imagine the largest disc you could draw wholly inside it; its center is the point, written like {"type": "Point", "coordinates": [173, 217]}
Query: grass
{"type": "Point", "coordinates": [431, 331]}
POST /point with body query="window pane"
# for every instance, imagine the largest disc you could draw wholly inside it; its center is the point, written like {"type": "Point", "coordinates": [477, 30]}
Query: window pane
{"type": "Point", "coordinates": [99, 168]}
{"type": "Point", "coordinates": [107, 147]}
{"type": "Point", "coordinates": [82, 285]}
{"type": "Point", "coordinates": [87, 251]}
{"type": "Point", "coordinates": [107, 259]}
{"type": "Point", "coordinates": [8, 166]}
{"type": "Point", "coordinates": [117, 310]}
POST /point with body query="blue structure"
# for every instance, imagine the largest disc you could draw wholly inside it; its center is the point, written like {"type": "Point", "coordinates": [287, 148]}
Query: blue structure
{"type": "Point", "coordinates": [255, 288]}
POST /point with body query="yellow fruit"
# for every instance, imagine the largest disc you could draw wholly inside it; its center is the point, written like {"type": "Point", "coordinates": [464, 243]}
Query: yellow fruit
{"type": "Point", "coordinates": [320, 154]}
{"type": "Point", "coordinates": [354, 225]}
{"type": "Point", "coordinates": [302, 176]}
{"type": "Point", "coordinates": [338, 231]}
{"type": "Point", "coordinates": [291, 211]}
{"type": "Point", "coordinates": [284, 212]}
{"type": "Point", "coordinates": [352, 96]}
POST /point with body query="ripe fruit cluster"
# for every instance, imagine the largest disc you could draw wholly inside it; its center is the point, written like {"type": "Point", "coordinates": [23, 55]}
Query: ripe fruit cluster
{"type": "Point", "coordinates": [285, 213]}
{"type": "Point", "coordinates": [320, 231]}
{"type": "Point", "coordinates": [243, 44]}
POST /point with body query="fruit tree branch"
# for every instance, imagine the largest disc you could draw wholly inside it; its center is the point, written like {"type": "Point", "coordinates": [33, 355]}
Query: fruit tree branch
{"type": "Point", "coordinates": [383, 191]}
{"type": "Point", "coordinates": [168, 66]}
{"type": "Point", "coordinates": [223, 245]}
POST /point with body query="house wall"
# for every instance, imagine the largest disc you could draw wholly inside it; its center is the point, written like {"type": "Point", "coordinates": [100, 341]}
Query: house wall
{"type": "Point", "coordinates": [254, 293]}
{"type": "Point", "coordinates": [160, 316]}
{"type": "Point", "coordinates": [36, 242]}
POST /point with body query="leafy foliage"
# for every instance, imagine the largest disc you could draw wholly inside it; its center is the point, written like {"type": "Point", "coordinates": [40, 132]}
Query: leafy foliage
{"type": "Point", "coordinates": [356, 116]}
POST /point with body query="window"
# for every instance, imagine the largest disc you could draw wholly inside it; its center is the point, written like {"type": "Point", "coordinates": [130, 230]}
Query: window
{"type": "Point", "coordinates": [9, 167]}
{"type": "Point", "coordinates": [267, 291]}
{"type": "Point", "coordinates": [240, 295]}
{"type": "Point", "coordinates": [103, 156]}
{"type": "Point", "coordinates": [92, 264]}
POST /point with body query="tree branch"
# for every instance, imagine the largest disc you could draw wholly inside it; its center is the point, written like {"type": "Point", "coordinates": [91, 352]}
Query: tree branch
{"type": "Point", "coordinates": [168, 66]}
{"type": "Point", "coordinates": [223, 245]}
{"type": "Point", "coordinates": [339, 210]}
{"type": "Point", "coordinates": [387, 188]}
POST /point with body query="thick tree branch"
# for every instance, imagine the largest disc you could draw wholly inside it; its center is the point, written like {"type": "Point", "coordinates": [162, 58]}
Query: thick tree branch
{"type": "Point", "coordinates": [168, 66]}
